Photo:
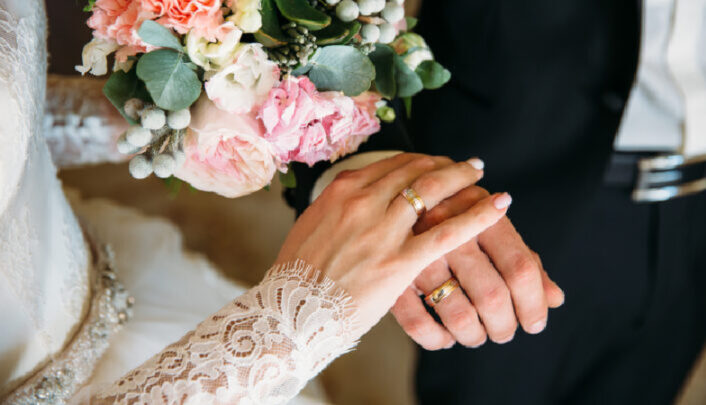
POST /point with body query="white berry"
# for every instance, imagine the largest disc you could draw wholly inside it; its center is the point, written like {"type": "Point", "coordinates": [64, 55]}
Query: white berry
{"type": "Point", "coordinates": [370, 33]}
{"type": "Point", "coordinates": [153, 118]}
{"type": "Point", "coordinates": [368, 7]}
{"type": "Point", "coordinates": [138, 136]}
{"type": "Point", "coordinates": [164, 165]}
{"type": "Point", "coordinates": [332, 2]}
{"type": "Point", "coordinates": [347, 10]}
{"type": "Point", "coordinates": [125, 147]}
{"type": "Point", "coordinates": [179, 119]}
{"type": "Point", "coordinates": [133, 108]}
{"type": "Point", "coordinates": [140, 167]}
{"type": "Point", "coordinates": [387, 33]}
{"type": "Point", "coordinates": [393, 13]}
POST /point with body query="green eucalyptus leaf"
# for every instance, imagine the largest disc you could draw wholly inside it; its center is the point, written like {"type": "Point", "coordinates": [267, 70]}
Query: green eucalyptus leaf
{"type": "Point", "coordinates": [301, 12]}
{"type": "Point", "coordinates": [158, 35]}
{"type": "Point", "coordinates": [288, 180]}
{"type": "Point", "coordinates": [433, 75]}
{"type": "Point", "coordinates": [408, 82]}
{"type": "Point", "coordinates": [121, 87]}
{"type": "Point", "coordinates": [341, 68]}
{"type": "Point", "coordinates": [169, 80]}
{"type": "Point", "coordinates": [270, 34]}
{"type": "Point", "coordinates": [337, 33]}
{"type": "Point", "coordinates": [383, 57]}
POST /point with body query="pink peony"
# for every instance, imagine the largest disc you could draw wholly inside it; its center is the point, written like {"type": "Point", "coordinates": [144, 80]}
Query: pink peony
{"type": "Point", "coordinates": [307, 126]}
{"type": "Point", "coordinates": [226, 153]}
{"type": "Point", "coordinates": [203, 16]}
{"type": "Point", "coordinates": [119, 20]}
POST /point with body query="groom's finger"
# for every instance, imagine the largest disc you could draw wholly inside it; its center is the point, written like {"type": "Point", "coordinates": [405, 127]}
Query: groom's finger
{"type": "Point", "coordinates": [455, 311]}
{"type": "Point", "coordinates": [418, 324]}
{"type": "Point", "coordinates": [523, 275]}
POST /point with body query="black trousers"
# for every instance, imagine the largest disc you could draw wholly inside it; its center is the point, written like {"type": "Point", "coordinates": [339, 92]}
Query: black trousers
{"type": "Point", "coordinates": [633, 323]}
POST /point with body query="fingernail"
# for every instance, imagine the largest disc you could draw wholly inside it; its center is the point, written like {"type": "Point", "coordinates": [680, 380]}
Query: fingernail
{"type": "Point", "coordinates": [502, 201]}
{"type": "Point", "coordinates": [503, 341]}
{"type": "Point", "coordinates": [476, 163]}
{"type": "Point", "coordinates": [537, 327]}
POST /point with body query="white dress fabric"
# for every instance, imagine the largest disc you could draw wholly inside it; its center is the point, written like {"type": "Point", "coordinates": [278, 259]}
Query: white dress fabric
{"type": "Point", "coordinates": [66, 336]}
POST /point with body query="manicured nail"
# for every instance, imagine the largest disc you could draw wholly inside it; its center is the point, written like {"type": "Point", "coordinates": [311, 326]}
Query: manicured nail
{"type": "Point", "coordinates": [502, 201]}
{"type": "Point", "coordinates": [476, 163]}
{"type": "Point", "coordinates": [537, 327]}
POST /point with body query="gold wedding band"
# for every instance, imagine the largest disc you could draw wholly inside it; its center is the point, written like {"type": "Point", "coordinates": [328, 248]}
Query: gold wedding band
{"type": "Point", "coordinates": [441, 292]}
{"type": "Point", "coordinates": [415, 200]}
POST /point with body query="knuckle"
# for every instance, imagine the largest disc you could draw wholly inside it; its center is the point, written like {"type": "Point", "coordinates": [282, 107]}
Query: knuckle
{"type": "Point", "coordinates": [494, 300]}
{"type": "Point", "coordinates": [444, 237]}
{"type": "Point", "coordinates": [459, 320]}
{"type": "Point", "coordinates": [425, 162]}
{"type": "Point", "coordinates": [355, 206]}
{"type": "Point", "coordinates": [428, 185]}
{"type": "Point", "coordinates": [524, 269]}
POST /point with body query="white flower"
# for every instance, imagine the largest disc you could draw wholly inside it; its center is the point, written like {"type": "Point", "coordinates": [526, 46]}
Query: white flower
{"type": "Point", "coordinates": [247, 15]}
{"type": "Point", "coordinates": [239, 87]}
{"type": "Point", "coordinates": [413, 48]}
{"type": "Point", "coordinates": [415, 58]}
{"type": "Point", "coordinates": [213, 55]}
{"type": "Point", "coordinates": [95, 56]}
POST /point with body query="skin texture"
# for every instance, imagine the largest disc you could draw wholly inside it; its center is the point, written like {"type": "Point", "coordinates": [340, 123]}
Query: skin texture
{"type": "Point", "coordinates": [359, 231]}
{"type": "Point", "coordinates": [503, 283]}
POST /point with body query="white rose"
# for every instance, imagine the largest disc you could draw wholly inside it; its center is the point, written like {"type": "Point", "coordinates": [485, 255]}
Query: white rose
{"type": "Point", "coordinates": [245, 83]}
{"type": "Point", "coordinates": [95, 56]}
{"type": "Point", "coordinates": [213, 55]}
{"type": "Point", "coordinates": [247, 15]}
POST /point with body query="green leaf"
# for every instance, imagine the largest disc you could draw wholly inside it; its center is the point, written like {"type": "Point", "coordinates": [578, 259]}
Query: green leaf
{"type": "Point", "coordinates": [408, 106]}
{"type": "Point", "coordinates": [270, 34]}
{"type": "Point", "coordinates": [301, 12]}
{"type": "Point", "coordinates": [121, 87]}
{"type": "Point", "coordinates": [337, 33]}
{"type": "Point", "coordinates": [341, 68]}
{"type": "Point", "coordinates": [288, 180]}
{"type": "Point", "coordinates": [383, 57]}
{"type": "Point", "coordinates": [89, 7]}
{"type": "Point", "coordinates": [408, 82]}
{"type": "Point", "coordinates": [158, 35]}
{"type": "Point", "coordinates": [433, 75]}
{"type": "Point", "coordinates": [411, 23]}
{"type": "Point", "coordinates": [169, 80]}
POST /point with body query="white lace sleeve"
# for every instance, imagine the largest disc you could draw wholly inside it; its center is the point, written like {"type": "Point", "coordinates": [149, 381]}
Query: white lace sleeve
{"type": "Point", "coordinates": [80, 124]}
{"type": "Point", "coordinates": [260, 349]}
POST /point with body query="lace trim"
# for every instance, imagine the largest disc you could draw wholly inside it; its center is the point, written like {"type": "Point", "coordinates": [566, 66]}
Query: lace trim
{"type": "Point", "coordinates": [111, 307]}
{"type": "Point", "coordinates": [260, 349]}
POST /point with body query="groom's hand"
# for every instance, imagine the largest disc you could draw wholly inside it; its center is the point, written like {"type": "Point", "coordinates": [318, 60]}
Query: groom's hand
{"type": "Point", "coordinates": [503, 280]}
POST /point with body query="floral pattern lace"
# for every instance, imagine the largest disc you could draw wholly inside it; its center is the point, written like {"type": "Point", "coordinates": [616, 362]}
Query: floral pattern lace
{"type": "Point", "coordinates": [261, 348]}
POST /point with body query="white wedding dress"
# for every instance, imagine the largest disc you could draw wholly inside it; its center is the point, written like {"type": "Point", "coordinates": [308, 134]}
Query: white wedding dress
{"type": "Point", "coordinates": [90, 290]}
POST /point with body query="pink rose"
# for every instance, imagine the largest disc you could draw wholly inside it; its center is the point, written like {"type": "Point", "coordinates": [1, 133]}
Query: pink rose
{"type": "Point", "coordinates": [307, 126]}
{"type": "Point", "coordinates": [226, 153]}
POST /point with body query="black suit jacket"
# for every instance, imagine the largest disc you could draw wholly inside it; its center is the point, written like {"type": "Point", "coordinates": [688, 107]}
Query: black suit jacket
{"type": "Point", "coordinates": [537, 92]}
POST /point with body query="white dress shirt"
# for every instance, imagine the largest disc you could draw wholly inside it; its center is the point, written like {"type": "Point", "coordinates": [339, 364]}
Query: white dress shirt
{"type": "Point", "coordinates": [667, 106]}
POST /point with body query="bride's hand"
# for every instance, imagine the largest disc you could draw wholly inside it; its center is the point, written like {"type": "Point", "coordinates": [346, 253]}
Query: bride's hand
{"type": "Point", "coordinates": [359, 231]}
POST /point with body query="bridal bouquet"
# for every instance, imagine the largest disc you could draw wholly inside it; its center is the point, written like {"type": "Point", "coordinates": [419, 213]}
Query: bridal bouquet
{"type": "Point", "coordinates": [223, 94]}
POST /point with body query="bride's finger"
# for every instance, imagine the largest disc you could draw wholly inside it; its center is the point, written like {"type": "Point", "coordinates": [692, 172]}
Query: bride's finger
{"type": "Point", "coordinates": [433, 188]}
{"type": "Point", "coordinates": [427, 247]}
{"type": "Point", "coordinates": [394, 181]}
{"type": "Point", "coordinates": [377, 170]}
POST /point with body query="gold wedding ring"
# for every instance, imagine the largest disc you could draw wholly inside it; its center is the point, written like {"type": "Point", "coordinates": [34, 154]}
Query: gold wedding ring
{"type": "Point", "coordinates": [441, 292]}
{"type": "Point", "coordinates": [414, 200]}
